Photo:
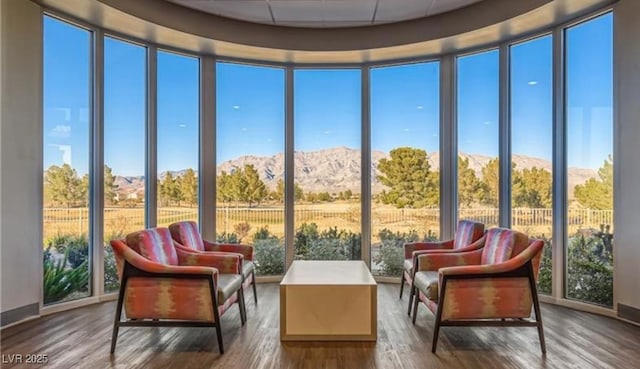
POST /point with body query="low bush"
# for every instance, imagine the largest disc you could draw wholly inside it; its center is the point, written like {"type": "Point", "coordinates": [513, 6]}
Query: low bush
{"type": "Point", "coordinates": [59, 281]}
{"type": "Point", "coordinates": [391, 254]}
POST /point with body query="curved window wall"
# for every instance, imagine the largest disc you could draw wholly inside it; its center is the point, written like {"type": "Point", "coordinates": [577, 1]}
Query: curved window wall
{"type": "Point", "coordinates": [178, 137]}
{"type": "Point", "coordinates": [250, 161]}
{"type": "Point", "coordinates": [316, 129]}
{"type": "Point", "coordinates": [327, 155]}
{"type": "Point", "coordinates": [66, 161]}
{"type": "Point", "coordinates": [125, 99]}
{"type": "Point", "coordinates": [478, 111]}
{"type": "Point", "coordinates": [531, 108]}
{"type": "Point", "coordinates": [405, 170]}
{"type": "Point", "coordinates": [589, 124]}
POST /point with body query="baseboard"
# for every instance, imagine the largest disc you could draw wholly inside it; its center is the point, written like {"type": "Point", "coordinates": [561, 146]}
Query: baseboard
{"type": "Point", "coordinates": [629, 313]}
{"type": "Point", "coordinates": [19, 314]}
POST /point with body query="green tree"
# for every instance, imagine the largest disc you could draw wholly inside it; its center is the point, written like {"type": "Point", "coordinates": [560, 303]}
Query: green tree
{"type": "Point", "coordinates": [531, 188]}
{"type": "Point", "coordinates": [470, 188]}
{"type": "Point", "coordinates": [189, 187]}
{"type": "Point", "coordinates": [491, 182]}
{"type": "Point", "coordinates": [407, 174]}
{"type": "Point", "coordinates": [169, 190]}
{"type": "Point", "coordinates": [238, 184]}
{"type": "Point", "coordinates": [278, 193]}
{"type": "Point", "coordinates": [110, 187]}
{"type": "Point", "coordinates": [597, 193]}
{"type": "Point", "coordinates": [348, 194]}
{"type": "Point", "coordinates": [63, 187]}
{"type": "Point", "coordinates": [255, 190]}
{"type": "Point", "coordinates": [224, 188]}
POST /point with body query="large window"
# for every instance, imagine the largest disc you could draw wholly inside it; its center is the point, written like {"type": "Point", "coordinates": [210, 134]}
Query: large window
{"type": "Point", "coordinates": [124, 145]}
{"type": "Point", "coordinates": [327, 125]}
{"type": "Point", "coordinates": [327, 121]}
{"type": "Point", "coordinates": [478, 165]}
{"type": "Point", "coordinates": [66, 161]}
{"type": "Point", "coordinates": [405, 161]}
{"type": "Point", "coordinates": [589, 81]}
{"type": "Point", "coordinates": [250, 155]}
{"type": "Point", "coordinates": [178, 132]}
{"type": "Point", "coordinates": [531, 72]}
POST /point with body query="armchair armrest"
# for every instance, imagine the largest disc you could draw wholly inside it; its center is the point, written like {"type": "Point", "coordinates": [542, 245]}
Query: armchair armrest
{"type": "Point", "coordinates": [139, 262]}
{"type": "Point", "coordinates": [228, 263]}
{"type": "Point", "coordinates": [435, 261]}
{"type": "Point", "coordinates": [245, 250]}
{"type": "Point", "coordinates": [488, 270]}
{"type": "Point", "coordinates": [410, 248]}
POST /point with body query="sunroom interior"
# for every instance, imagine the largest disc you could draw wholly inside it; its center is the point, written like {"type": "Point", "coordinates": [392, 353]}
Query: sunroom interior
{"type": "Point", "coordinates": [310, 131]}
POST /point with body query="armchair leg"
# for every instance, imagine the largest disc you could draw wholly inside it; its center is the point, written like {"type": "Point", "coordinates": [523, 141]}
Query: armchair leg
{"type": "Point", "coordinates": [416, 299]}
{"type": "Point", "coordinates": [401, 284]}
{"type": "Point", "coordinates": [241, 306]}
{"type": "Point", "coordinates": [436, 328]}
{"type": "Point", "coordinates": [412, 292]}
{"type": "Point", "coordinates": [116, 320]}
{"type": "Point", "coordinates": [536, 308]}
{"type": "Point", "coordinates": [253, 282]}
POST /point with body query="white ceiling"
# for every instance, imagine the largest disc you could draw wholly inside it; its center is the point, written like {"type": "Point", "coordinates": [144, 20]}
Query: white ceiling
{"type": "Point", "coordinates": [324, 13]}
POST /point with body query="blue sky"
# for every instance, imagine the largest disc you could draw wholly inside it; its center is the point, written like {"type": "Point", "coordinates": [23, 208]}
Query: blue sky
{"type": "Point", "coordinates": [250, 103]}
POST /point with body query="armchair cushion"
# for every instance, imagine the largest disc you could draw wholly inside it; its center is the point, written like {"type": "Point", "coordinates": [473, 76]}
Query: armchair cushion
{"type": "Point", "coordinates": [468, 232]}
{"type": "Point", "coordinates": [427, 283]}
{"type": "Point", "coordinates": [228, 284]}
{"type": "Point", "coordinates": [247, 268]}
{"type": "Point", "coordinates": [187, 234]}
{"type": "Point", "coordinates": [408, 265]}
{"type": "Point", "coordinates": [154, 244]}
{"type": "Point", "coordinates": [501, 244]}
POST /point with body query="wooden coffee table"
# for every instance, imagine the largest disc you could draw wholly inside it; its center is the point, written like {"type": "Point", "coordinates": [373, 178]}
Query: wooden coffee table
{"type": "Point", "coordinates": [328, 301]}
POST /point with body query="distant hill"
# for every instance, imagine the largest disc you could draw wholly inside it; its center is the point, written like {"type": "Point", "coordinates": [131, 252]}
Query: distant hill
{"type": "Point", "coordinates": [338, 169]}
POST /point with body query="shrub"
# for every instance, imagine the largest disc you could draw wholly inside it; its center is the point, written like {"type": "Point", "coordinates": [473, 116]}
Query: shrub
{"type": "Point", "coordinates": [330, 244]}
{"type": "Point", "coordinates": [269, 256]}
{"type": "Point", "coordinates": [225, 237]}
{"type": "Point", "coordinates": [60, 281]}
{"type": "Point", "coordinates": [111, 280]}
{"type": "Point", "coordinates": [546, 267]}
{"type": "Point", "coordinates": [268, 253]}
{"type": "Point", "coordinates": [590, 268]}
{"type": "Point", "coordinates": [77, 247]}
{"type": "Point", "coordinates": [391, 254]}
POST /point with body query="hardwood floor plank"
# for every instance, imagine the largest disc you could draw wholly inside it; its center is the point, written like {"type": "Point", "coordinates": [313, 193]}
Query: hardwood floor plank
{"type": "Point", "coordinates": [80, 338]}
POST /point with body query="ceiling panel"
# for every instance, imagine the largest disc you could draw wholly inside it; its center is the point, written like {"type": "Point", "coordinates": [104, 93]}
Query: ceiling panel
{"type": "Point", "coordinates": [442, 6]}
{"type": "Point", "coordinates": [250, 10]}
{"type": "Point", "coordinates": [349, 10]}
{"type": "Point", "coordinates": [324, 13]}
{"type": "Point", "coordinates": [297, 11]}
{"type": "Point", "coordinates": [392, 11]}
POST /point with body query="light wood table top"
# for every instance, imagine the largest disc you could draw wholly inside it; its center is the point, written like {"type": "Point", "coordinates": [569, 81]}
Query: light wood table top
{"type": "Point", "coordinates": [321, 272]}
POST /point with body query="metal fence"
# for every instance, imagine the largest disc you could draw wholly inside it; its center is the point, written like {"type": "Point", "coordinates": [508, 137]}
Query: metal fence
{"type": "Point", "coordinates": [123, 220]}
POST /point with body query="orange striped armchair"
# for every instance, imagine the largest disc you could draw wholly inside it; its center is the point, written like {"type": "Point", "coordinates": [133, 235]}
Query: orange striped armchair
{"type": "Point", "coordinates": [491, 286]}
{"type": "Point", "coordinates": [468, 237]}
{"type": "Point", "coordinates": [188, 237]}
{"type": "Point", "coordinates": [161, 285]}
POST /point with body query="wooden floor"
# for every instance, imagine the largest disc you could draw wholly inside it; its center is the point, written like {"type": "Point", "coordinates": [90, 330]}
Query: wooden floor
{"type": "Point", "coordinates": [80, 338]}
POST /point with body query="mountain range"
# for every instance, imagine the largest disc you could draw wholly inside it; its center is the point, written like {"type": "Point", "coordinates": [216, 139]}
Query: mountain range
{"type": "Point", "coordinates": [338, 169]}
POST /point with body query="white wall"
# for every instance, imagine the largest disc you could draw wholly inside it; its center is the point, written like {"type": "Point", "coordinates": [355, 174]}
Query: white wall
{"type": "Point", "coordinates": [627, 196]}
{"type": "Point", "coordinates": [20, 154]}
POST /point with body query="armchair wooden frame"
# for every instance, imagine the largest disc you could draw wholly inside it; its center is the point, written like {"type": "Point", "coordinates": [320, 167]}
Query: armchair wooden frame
{"type": "Point", "coordinates": [526, 271]}
{"type": "Point", "coordinates": [130, 271]}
